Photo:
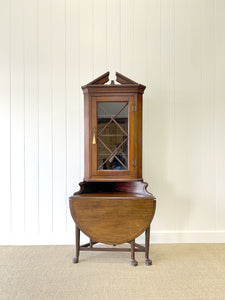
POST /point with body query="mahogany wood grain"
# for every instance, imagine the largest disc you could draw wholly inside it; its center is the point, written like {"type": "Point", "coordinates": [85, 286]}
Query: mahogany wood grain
{"type": "Point", "coordinates": [112, 218]}
{"type": "Point", "coordinates": [136, 187]}
{"type": "Point", "coordinates": [97, 92]}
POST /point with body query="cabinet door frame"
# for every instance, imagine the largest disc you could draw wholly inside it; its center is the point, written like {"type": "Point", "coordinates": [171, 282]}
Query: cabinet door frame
{"type": "Point", "coordinates": [113, 174]}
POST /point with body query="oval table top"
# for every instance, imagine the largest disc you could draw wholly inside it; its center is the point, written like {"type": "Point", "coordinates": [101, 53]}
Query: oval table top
{"type": "Point", "coordinates": [112, 218]}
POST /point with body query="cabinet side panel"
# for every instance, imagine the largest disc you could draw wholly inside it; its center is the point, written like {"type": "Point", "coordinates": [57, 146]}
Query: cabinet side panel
{"type": "Point", "coordinates": [87, 125]}
{"type": "Point", "coordinates": [139, 136]}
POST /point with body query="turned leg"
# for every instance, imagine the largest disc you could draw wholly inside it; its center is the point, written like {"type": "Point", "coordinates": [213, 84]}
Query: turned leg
{"type": "Point", "coordinates": [133, 261]}
{"type": "Point", "coordinates": [76, 258]}
{"type": "Point", "coordinates": [148, 261]}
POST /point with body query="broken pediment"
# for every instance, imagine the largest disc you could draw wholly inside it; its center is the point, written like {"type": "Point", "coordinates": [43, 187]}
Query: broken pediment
{"type": "Point", "coordinates": [104, 78]}
{"type": "Point", "coordinates": [121, 82]}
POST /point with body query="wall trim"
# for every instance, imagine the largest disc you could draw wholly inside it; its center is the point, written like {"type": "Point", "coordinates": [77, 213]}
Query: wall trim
{"type": "Point", "coordinates": [162, 237]}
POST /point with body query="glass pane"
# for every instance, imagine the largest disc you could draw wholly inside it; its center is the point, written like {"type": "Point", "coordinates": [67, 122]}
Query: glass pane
{"type": "Point", "coordinates": [112, 139]}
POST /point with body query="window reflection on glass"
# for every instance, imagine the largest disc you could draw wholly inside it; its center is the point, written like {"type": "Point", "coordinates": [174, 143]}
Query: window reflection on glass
{"type": "Point", "coordinates": [112, 137]}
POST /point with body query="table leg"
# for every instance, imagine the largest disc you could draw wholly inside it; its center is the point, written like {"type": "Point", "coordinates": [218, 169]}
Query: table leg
{"type": "Point", "coordinates": [76, 258]}
{"type": "Point", "coordinates": [148, 261]}
{"type": "Point", "coordinates": [133, 261]}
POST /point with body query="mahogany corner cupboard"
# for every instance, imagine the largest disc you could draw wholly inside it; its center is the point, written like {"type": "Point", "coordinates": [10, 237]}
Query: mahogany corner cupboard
{"type": "Point", "coordinates": [113, 205]}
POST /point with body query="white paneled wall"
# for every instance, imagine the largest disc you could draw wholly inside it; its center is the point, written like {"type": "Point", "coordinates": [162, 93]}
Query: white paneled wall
{"type": "Point", "coordinates": [49, 48]}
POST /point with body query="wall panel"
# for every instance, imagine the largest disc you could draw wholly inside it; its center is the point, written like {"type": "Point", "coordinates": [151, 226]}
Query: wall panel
{"type": "Point", "coordinates": [152, 132]}
{"type": "Point", "coordinates": [195, 112]}
{"type": "Point", "coordinates": [31, 111]}
{"type": "Point", "coordinates": [182, 113]}
{"type": "Point", "coordinates": [49, 49]}
{"type": "Point", "coordinates": [17, 84]}
{"type": "Point", "coordinates": [86, 62]}
{"type": "Point", "coordinates": [45, 119]}
{"type": "Point", "coordinates": [59, 130]}
{"type": "Point", "coordinates": [72, 102]}
{"type": "Point", "coordinates": [99, 28]}
{"type": "Point", "coordinates": [167, 124]}
{"type": "Point", "coordinates": [127, 37]}
{"type": "Point", "coordinates": [219, 96]}
{"type": "Point", "coordinates": [113, 36]}
{"type": "Point", "coordinates": [5, 117]}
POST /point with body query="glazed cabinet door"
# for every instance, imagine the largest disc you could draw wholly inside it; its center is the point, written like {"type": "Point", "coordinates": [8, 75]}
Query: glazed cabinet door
{"type": "Point", "coordinates": [112, 137]}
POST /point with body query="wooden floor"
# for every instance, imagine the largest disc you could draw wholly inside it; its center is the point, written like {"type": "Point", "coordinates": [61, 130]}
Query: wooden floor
{"type": "Point", "coordinates": [179, 271]}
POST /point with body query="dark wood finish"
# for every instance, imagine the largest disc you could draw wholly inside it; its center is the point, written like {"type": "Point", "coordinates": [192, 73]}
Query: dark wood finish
{"type": "Point", "coordinates": [101, 79]}
{"type": "Point", "coordinates": [111, 175]}
{"type": "Point", "coordinates": [87, 247]}
{"type": "Point", "coordinates": [148, 261]}
{"type": "Point", "coordinates": [113, 206]}
{"type": "Point", "coordinates": [138, 136]}
{"type": "Point", "coordinates": [136, 187]}
{"type": "Point", "coordinates": [134, 263]}
{"type": "Point", "coordinates": [76, 258]}
{"type": "Point", "coordinates": [111, 211]}
{"type": "Point", "coordinates": [96, 92]}
{"type": "Point", "coordinates": [123, 79]}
